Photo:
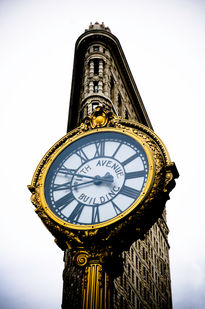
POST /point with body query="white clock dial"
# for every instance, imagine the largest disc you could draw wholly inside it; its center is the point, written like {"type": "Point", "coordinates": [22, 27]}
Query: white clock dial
{"type": "Point", "coordinates": [96, 178]}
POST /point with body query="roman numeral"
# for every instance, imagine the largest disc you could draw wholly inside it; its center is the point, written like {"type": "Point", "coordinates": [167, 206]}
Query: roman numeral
{"type": "Point", "coordinates": [62, 186]}
{"type": "Point", "coordinates": [116, 150]}
{"type": "Point", "coordinates": [136, 174]}
{"type": "Point", "coordinates": [75, 214]}
{"type": "Point", "coordinates": [129, 159]}
{"type": "Point", "coordinates": [100, 149]}
{"type": "Point", "coordinates": [95, 215]}
{"type": "Point", "coordinates": [64, 201]}
{"type": "Point", "coordinates": [66, 171]}
{"type": "Point", "coordinates": [82, 156]}
{"type": "Point", "coordinates": [116, 208]}
{"type": "Point", "coordinates": [130, 192]}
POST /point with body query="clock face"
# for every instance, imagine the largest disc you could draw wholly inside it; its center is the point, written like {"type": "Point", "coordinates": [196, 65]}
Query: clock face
{"type": "Point", "coordinates": [97, 178]}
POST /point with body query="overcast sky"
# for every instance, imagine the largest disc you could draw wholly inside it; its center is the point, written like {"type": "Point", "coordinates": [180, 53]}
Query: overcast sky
{"type": "Point", "coordinates": [164, 44]}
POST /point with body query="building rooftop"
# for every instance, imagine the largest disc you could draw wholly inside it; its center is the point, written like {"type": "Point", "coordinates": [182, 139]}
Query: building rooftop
{"type": "Point", "coordinates": [97, 26]}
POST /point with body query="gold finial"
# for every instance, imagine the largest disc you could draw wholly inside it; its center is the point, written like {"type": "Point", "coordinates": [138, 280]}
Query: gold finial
{"type": "Point", "coordinates": [99, 118]}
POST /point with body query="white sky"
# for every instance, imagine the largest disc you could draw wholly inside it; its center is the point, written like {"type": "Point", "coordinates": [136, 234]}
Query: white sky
{"type": "Point", "coordinates": [164, 44]}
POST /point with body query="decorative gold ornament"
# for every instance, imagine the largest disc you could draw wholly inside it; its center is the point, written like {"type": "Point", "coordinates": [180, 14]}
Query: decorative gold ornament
{"type": "Point", "coordinates": [81, 258]}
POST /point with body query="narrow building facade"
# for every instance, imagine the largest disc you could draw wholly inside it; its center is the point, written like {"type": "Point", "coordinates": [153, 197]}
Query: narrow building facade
{"type": "Point", "coordinates": [101, 77]}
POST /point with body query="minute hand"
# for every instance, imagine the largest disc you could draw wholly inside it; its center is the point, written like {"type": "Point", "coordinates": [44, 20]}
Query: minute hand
{"type": "Point", "coordinates": [91, 177]}
{"type": "Point", "coordinates": [83, 183]}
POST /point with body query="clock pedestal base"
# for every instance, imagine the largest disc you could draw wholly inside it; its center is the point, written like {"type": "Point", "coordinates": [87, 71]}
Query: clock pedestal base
{"type": "Point", "coordinates": [97, 287]}
{"type": "Point", "coordinates": [88, 279]}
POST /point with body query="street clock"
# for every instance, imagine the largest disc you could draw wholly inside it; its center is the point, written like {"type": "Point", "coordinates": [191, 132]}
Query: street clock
{"type": "Point", "coordinates": [99, 179]}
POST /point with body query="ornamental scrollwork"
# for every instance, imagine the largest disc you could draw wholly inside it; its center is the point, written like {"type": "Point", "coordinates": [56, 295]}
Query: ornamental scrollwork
{"type": "Point", "coordinates": [81, 258]}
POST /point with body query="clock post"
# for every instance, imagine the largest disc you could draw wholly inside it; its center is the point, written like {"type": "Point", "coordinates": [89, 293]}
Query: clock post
{"type": "Point", "coordinates": [97, 284]}
{"type": "Point", "coordinates": [105, 183]}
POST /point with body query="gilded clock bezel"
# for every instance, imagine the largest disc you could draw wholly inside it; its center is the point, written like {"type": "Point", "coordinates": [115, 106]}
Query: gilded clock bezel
{"type": "Point", "coordinates": [135, 204]}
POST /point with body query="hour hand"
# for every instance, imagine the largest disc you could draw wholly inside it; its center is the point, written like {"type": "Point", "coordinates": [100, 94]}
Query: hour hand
{"type": "Point", "coordinates": [107, 178]}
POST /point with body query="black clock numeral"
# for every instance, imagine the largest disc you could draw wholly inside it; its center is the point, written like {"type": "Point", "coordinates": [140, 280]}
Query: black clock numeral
{"type": "Point", "coordinates": [136, 174]}
{"type": "Point", "coordinates": [66, 171]}
{"type": "Point", "coordinates": [82, 156]}
{"type": "Point", "coordinates": [64, 201]}
{"type": "Point", "coordinates": [130, 192]}
{"type": "Point", "coordinates": [62, 186]}
{"type": "Point", "coordinates": [116, 150]}
{"type": "Point", "coordinates": [95, 215]}
{"type": "Point", "coordinates": [100, 149]}
{"type": "Point", "coordinates": [75, 214]}
{"type": "Point", "coordinates": [130, 159]}
{"type": "Point", "coordinates": [116, 208]}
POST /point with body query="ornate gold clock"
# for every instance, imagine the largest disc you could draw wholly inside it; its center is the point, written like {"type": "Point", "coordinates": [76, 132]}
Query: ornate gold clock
{"type": "Point", "coordinates": [101, 179]}
{"type": "Point", "coordinates": [98, 189]}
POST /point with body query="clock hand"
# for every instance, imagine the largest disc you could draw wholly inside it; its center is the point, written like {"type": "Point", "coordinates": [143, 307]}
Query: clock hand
{"type": "Point", "coordinates": [108, 177]}
{"type": "Point", "coordinates": [96, 181]}
{"type": "Point", "coordinates": [92, 177]}
{"type": "Point", "coordinates": [82, 183]}
{"type": "Point", "coordinates": [80, 175]}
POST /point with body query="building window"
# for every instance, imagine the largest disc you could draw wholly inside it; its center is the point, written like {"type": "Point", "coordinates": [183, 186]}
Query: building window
{"type": "Point", "coordinates": [129, 293]}
{"type": "Point", "coordinates": [136, 260]}
{"type": "Point", "coordinates": [96, 48]}
{"type": "Point", "coordinates": [125, 282]}
{"type": "Point", "coordinates": [144, 272]}
{"type": "Point", "coordinates": [121, 301]}
{"type": "Point", "coordinates": [119, 101]}
{"type": "Point", "coordinates": [133, 276]}
{"type": "Point", "coordinates": [126, 114]}
{"type": "Point", "coordinates": [96, 66]}
{"type": "Point", "coordinates": [133, 298]}
{"type": "Point", "coordinates": [137, 280]}
{"type": "Point", "coordinates": [132, 254]}
{"type": "Point", "coordinates": [143, 253]}
{"type": "Point", "coordinates": [145, 293]}
{"type": "Point", "coordinates": [95, 87]}
{"type": "Point", "coordinates": [112, 89]}
{"type": "Point", "coordinates": [129, 270]}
